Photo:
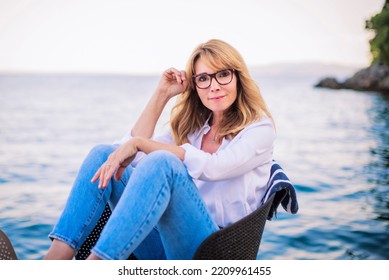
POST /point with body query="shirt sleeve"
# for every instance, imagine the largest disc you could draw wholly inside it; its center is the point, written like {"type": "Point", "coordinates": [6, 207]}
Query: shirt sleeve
{"type": "Point", "coordinates": [251, 148]}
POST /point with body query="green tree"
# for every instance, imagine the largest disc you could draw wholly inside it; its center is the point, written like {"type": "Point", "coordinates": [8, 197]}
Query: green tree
{"type": "Point", "coordinates": [379, 45]}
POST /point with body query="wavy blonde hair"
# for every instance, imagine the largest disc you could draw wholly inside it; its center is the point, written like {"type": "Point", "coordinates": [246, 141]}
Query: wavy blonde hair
{"type": "Point", "coordinates": [189, 114]}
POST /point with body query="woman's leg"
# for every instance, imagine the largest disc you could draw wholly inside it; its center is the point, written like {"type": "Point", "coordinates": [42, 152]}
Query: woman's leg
{"type": "Point", "coordinates": [151, 247]}
{"type": "Point", "coordinates": [85, 205]}
{"type": "Point", "coordinates": [159, 193]}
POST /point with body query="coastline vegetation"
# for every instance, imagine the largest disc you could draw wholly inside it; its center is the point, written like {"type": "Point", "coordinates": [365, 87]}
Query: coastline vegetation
{"type": "Point", "coordinates": [379, 45]}
{"type": "Point", "coordinates": [376, 76]}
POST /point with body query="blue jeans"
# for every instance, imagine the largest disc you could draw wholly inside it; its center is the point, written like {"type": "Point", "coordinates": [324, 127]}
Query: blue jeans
{"type": "Point", "coordinates": [158, 212]}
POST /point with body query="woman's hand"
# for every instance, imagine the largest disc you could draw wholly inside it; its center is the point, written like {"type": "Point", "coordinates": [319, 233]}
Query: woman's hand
{"type": "Point", "coordinates": [173, 82]}
{"type": "Point", "coordinates": [116, 163]}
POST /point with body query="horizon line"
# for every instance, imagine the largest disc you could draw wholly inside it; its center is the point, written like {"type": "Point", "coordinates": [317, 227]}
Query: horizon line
{"type": "Point", "coordinates": [158, 73]}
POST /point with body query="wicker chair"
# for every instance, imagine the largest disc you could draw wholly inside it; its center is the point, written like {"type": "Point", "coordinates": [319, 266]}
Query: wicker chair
{"type": "Point", "coordinates": [238, 241]}
{"type": "Point", "coordinates": [7, 252]}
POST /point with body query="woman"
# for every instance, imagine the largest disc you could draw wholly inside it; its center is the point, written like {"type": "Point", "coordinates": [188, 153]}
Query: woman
{"type": "Point", "coordinates": [170, 193]}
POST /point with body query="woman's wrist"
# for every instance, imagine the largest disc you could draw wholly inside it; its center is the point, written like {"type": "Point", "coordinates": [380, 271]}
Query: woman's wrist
{"type": "Point", "coordinates": [161, 96]}
{"type": "Point", "coordinates": [137, 141]}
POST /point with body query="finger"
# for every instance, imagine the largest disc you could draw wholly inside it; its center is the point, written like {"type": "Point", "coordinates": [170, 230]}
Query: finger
{"type": "Point", "coordinates": [96, 176]}
{"type": "Point", "coordinates": [102, 181]}
{"type": "Point", "coordinates": [108, 172]}
{"type": "Point", "coordinates": [173, 70]}
{"type": "Point", "coordinates": [101, 178]}
{"type": "Point", "coordinates": [183, 75]}
{"type": "Point", "coordinates": [119, 173]}
{"type": "Point", "coordinates": [174, 74]}
{"type": "Point", "coordinates": [100, 174]}
{"type": "Point", "coordinates": [177, 77]}
{"type": "Point", "coordinates": [170, 73]}
{"type": "Point", "coordinates": [180, 80]}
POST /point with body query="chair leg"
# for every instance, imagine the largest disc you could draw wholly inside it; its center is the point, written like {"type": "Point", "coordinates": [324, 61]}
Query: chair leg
{"type": "Point", "coordinates": [7, 251]}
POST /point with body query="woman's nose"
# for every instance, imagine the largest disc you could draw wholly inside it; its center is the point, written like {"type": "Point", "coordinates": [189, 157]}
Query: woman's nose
{"type": "Point", "coordinates": [214, 84]}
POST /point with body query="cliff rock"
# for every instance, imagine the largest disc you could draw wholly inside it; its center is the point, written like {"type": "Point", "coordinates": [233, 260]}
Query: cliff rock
{"type": "Point", "coordinates": [373, 78]}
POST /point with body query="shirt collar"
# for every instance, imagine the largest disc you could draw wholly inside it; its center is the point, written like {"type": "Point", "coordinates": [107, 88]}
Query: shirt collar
{"type": "Point", "coordinates": [205, 129]}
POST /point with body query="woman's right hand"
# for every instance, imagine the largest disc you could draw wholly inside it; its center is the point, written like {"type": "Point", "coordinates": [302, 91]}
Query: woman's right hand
{"type": "Point", "coordinates": [173, 82]}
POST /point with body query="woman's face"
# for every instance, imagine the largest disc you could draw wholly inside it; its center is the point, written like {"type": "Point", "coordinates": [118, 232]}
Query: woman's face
{"type": "Point", "coordinates": [216, 97]}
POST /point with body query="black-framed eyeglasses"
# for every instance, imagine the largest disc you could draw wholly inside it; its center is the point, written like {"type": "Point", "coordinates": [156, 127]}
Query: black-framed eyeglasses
{"type": "Point", "coordinates": [204, 80]}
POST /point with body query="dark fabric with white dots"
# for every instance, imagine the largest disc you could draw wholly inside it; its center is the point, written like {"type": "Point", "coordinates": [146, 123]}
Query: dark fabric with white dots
{"type": "Point", "coordinates": [86, 247]}
{"type": "Point", "coordinates": [7, 251]}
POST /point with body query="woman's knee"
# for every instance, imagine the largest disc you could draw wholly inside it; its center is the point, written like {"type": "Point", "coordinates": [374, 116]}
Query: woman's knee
{"type": "Point", "coordinates": [162, 158]}
{"type": "Point", "coordinates": [161, 162]}
{"type": "Point", "coordinates": [101, 151]}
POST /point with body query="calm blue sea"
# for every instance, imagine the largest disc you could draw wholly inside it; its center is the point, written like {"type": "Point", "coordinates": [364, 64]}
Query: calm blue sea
{"type": "Point", "coordinates": [334, 145]}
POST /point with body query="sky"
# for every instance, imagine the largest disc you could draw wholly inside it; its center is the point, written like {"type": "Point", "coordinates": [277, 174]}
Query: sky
{"type": "Point", "coordinates": [149, 36]}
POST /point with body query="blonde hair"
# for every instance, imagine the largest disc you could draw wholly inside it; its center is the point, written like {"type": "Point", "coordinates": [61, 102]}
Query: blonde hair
{"type": "Point", "coordinates": [189, 114]}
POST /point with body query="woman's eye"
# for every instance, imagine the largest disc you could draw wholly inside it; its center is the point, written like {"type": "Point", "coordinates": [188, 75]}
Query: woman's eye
{"type": "Point", "coordinates": [203, 78]}
{"type": "Point", "coordinates": [223, 74]}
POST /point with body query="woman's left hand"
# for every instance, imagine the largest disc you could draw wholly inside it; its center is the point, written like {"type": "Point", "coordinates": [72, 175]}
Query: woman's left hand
{"type": "Point", "coordinates": [116, 163]}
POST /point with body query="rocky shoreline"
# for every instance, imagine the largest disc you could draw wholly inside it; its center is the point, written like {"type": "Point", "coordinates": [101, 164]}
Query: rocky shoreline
{"type": "Point", "coordinates": [373, 78]}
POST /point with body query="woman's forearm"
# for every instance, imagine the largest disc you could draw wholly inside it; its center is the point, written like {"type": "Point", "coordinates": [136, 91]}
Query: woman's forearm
{"type": "Point", "coordinates": [147, 121]}
{"type": "Point", "coordinates": [172, 82]}
{"type": "Point", "coordinates": [147, 146]}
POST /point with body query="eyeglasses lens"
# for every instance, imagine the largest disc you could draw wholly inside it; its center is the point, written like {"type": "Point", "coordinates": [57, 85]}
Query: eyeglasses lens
{"type": "Point", "coordinates": [223, 77]}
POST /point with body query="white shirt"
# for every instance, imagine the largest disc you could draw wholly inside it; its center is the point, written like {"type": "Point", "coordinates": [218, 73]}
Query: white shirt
{"type": "Point", "coordinates": [233, 180]}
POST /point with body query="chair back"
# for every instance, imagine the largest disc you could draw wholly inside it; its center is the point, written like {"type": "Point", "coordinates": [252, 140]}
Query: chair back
{"type": "Point", "coordinates": [238, 241]}
{"type": "Point", "coordinates": [7, 251]}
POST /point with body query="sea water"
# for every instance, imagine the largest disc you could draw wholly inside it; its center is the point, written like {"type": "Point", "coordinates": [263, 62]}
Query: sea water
{"type": "Point", "coordinates": [334, 146]}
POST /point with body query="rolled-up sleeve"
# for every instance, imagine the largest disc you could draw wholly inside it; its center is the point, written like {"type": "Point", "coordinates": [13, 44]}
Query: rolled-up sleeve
{"type": "Point", "coordinates": [251, 148]}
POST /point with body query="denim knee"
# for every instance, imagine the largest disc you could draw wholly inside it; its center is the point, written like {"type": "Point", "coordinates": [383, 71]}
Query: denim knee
{"type": "Point", "coordinates": [162, 164]}
{"type": "Point", "coordinates": [101, 151]}
{"type": "Point", "coordinates": [161, 154]}
{"type": "Point", "coordinates": [162, 158]}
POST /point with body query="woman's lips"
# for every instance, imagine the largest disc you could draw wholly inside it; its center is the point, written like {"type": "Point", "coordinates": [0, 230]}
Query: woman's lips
{"type": "Point", "coordinates": [216, 98]}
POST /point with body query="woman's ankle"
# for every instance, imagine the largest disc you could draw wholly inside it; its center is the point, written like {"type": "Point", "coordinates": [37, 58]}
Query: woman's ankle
{"type": "Point", "coordinates": [92, 256]}
{"type": "Point", "coordinates": [60, 250]}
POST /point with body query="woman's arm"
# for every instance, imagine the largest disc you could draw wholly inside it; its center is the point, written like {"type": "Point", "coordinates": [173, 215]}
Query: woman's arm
{"type": "Point", "coordinates": [119, 160]}
{"type": "Point", "coordinates": [147, 146]}
{"type": "Point", "coordinates": [172, 83]}
{"type": "Point", "coordinates": [251, 148]}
